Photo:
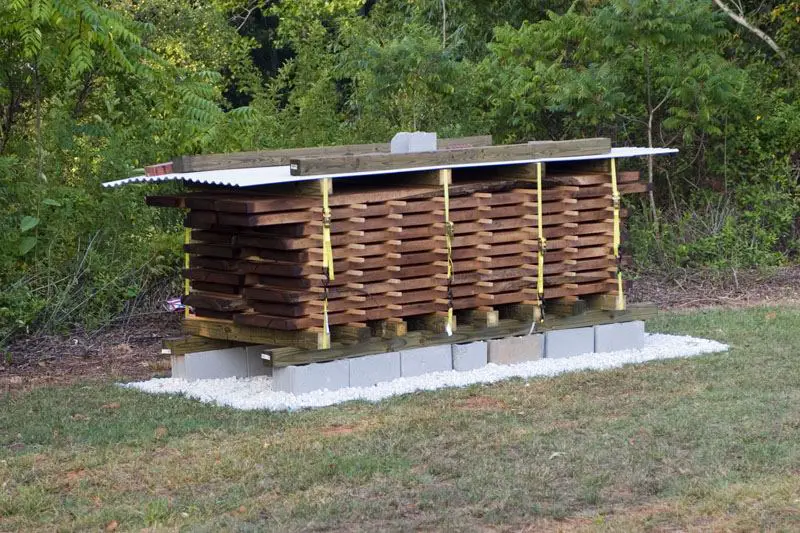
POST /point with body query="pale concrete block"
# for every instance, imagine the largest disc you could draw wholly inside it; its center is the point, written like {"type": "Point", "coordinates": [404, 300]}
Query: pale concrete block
{"type": "Point", "coordinates": [216, 364]}
{"type": "Point", "coordinates": [470, 356]}
{"type": "Point", "coordinates": [426, 360]}
{"type": "Point", "coordinates": [568, 342]}
{"type": "Point", "coordinates": [622, 336]}
{"type": "Point", "coordinates": [400, 141]}
{"type": "Point", "coordinates": [255, 364]}
{"type": "Point", "coordinates": [422, 141]}
{"type": "Point", "coordinates": [178, 366]}
{"type": "Point", "coordinates": [332, 375]}
{"type": "Point", "coordinates": [419, 141]}
{"type": "Point", "coordinates": [371, 369]}
{"type": "Point", "coordinates": [513, 350]}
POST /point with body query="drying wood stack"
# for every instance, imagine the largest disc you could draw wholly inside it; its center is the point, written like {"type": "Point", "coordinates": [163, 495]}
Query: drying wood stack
{"type": "Point", "coordinates": [256, 258]}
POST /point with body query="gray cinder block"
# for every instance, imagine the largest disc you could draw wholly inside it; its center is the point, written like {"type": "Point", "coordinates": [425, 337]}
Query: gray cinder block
{"type": "Point", "coordinates": [426, 360]}
{"type": "Point", "coordinates": [622, 336]}
{"type": "Point", "coordinates": [399, 144]}
{"type": "Point", "coordinates": [178, 366]}
{"type": "Point", "coordinates": [255, 364]}
{"type": "Point", "coordinates": [332, 375]}
{"type": "Point", "coordinates": [371, 369]}
{"type": "Point", "coordinates": [215, 364]}
{"type": "Point", "coordinates": [422, 141]}
{"type": "Point", "coordinates": [568, 342]}
{"type": "Point", "coordinates": [512, 350]}
{"type": "Point", "coordinates": [470, 356]}
{"type": "Point", "coordinates": [418, 141]}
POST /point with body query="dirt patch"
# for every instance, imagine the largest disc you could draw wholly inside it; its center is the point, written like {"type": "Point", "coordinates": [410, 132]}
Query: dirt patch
{"type": "Point", "coordinates": [334, 431]}
{"type": "Point", "coordinates": [122, 351]}
{"type": "Point", "coordinates": [692, 289]}
{"type": "Point", "coordinates": [481, 403]}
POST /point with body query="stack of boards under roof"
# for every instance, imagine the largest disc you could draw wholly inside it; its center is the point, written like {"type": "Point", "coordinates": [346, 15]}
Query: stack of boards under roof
{"type": "Point", "coordinates": [256, 253]}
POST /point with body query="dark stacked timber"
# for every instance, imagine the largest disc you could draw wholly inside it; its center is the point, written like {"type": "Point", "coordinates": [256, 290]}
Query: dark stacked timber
{"type": "Point", "coordinates": [256, 257]}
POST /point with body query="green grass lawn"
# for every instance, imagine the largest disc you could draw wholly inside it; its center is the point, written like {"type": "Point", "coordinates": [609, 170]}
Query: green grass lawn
{"type": "Point", "coordinates": [711, 443]}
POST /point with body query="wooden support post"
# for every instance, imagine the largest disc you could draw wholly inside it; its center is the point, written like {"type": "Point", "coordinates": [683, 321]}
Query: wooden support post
{"type": "Point", "coordinates": [389, 328]}
{"type": "Point", "coordinates": [604, 302]}
{"type": "Point", "coordinates": [566, 306]}
{"type": "Point", "coordinates": [300, 188]}
{"type": "Point", "coordinates": [482, 317]}
{"type": "Point", "coordinates": [351, 333]}
{"type": "Point", "coordinates": [433, 322]}
{"type": "Point", "coordinates": [524, 312]}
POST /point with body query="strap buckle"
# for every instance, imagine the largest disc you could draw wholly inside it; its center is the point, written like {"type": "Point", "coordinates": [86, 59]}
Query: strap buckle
{"type": "Point", "coordinates": [449, 229]}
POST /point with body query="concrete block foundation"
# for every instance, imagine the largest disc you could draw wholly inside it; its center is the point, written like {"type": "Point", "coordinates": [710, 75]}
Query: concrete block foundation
{"type": "Point", "coordinates": [513, 350]}
{"type": "Point", "coordinates": [568, 342]}
{"type": "Point", "coordinates": [426, 360]}
{"type": "Point", "coordinates": [213, 364]}
{"type": "Point", "coordinates": [368, 370]}
{"type": "Point", "coordinates": [255, 364]}
{"type": "Point", "coordinates": [470, 356]}
{"type": "Point", "coordinates": [240, 362]}
{"type": "Point", "coordinates": [333, 375]}
{"type": "Point", "coordinates": [621, 336]}
{"type": "Point", "coordinates": [178, 363]}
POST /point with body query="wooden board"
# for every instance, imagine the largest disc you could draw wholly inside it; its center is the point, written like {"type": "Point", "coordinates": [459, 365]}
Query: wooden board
{"type": "Point", "coordinates": [389, 249]}
{"type": "Point", "coordinates": [265, 158]}
{"type": "Point", "coordinates": [338, 164]}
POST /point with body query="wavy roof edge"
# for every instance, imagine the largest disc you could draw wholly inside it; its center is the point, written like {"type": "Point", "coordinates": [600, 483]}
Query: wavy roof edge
{"type": "Point", "coordinates": [258, 176]}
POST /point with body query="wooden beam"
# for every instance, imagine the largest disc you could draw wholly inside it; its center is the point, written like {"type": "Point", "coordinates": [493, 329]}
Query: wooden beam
{"type": "Point", "coordinates": [226, 330]}
{"type": "Point", "coordinates": [284, 357]}
{"type": "Point", "coordinates": [266, 158]}
{"type": "Point", "coordinates": [505, 328]}
{"type": "Point", "coordinates": [193, 344]}
{"type": "Point", "coordinates": [310, 166]}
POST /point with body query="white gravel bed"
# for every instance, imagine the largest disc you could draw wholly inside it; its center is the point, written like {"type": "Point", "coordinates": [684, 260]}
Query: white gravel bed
{"type": "Point", "coordinates": [257, 393]}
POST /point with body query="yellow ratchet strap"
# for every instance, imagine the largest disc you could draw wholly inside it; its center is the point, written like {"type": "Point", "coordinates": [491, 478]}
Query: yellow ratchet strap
{"type": "Point", "coordinates": [620, 305]}
{"type": "Point", "coordinates": [449, 232]}
{"type": "Point", "coordinates": [326, 334]}
{"type": "Point", "coordinates": [187, 238]}
{"type": "Point", "coordinates": [542, 240]}
{"type": "Point", "coordinates": [327, 260]}
{"type": "Point", "coordinates": [327, 249]}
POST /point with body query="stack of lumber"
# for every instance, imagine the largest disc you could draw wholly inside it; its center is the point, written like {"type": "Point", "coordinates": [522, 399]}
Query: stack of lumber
{"type": "Point", "coordinates": [256, 257]}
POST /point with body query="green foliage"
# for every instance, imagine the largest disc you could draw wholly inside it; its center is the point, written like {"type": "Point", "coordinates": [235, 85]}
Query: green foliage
{"type": "Point", "coordinates": [658, 72]}
{"type": "Point", "coordinates": [92, 91]}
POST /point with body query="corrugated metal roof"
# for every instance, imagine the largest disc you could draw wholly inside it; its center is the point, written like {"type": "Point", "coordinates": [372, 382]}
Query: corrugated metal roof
{"type": "Point", "coordinates": [251, 177]}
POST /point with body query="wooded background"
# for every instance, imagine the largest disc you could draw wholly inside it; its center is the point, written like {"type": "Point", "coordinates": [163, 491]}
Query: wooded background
{"type": "Point", "coordinates": [91, 91]}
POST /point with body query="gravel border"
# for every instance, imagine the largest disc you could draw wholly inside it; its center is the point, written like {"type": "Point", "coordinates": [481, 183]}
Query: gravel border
{"type": "Point", "coordinates": [257, 393]}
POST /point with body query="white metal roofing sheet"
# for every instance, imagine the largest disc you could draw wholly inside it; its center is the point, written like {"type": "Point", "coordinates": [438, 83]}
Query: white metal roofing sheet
{"type": "Point", "coordinates": [251, 177]}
